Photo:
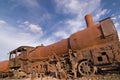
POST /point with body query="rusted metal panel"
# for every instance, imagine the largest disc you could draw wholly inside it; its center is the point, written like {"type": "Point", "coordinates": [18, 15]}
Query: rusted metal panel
{"type": "Point", "coordinates": [103, 54]}
{"type": "Point", "coordinates": [85, 38]}
{"type": "Point", "coordinates": [108, 27]}
{"type": "Point", "coordinates": [4, 66]}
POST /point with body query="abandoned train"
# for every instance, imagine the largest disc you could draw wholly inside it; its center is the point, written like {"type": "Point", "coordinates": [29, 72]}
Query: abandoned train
{"type": "Point", "coordinates": [83, 53]}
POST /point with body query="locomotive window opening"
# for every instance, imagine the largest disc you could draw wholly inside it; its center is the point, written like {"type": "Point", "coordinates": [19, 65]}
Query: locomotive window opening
{"type": "Point", "coordinates": [19, 50]}
{"type": "Point", "coordinates": [103, 53]}
{"type": "Point", "coordinates": [18, 53]}
{"type": "Point", "coordinates": [100, 59]}
{"type": "Point", "coordinates": [24, 49]}
{"type": "Point", "coordinates": [13, 56]}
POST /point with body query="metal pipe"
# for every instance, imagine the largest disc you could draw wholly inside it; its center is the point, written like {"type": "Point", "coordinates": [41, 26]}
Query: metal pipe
{"type": "Point", "coordinates": [89, 20]}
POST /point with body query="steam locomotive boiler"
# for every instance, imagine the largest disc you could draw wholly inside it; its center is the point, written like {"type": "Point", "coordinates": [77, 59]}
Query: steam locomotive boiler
{"type": "Point", "coordinates": [83, 53]}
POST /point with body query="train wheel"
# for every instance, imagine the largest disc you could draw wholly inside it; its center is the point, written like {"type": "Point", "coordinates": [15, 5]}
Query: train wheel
{"type": "Point", "coordinates": [85, 68]}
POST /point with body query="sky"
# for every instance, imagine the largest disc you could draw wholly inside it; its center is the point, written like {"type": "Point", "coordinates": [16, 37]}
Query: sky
{"type": "Point", "coordinates": [36, 22]}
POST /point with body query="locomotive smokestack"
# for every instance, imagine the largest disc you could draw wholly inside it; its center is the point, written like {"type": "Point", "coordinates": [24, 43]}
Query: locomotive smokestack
{"type": "Point", "coordinates": [89, 20]}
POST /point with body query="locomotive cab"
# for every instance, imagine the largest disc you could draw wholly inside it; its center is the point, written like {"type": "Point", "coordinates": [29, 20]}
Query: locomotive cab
{"type": "Point", "coordinates": [15, 57]}
{"type": "Point", "coordinates": [19, 58]}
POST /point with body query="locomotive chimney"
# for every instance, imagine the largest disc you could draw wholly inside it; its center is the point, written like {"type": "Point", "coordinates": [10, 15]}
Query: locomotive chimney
{"type": "Point", "coordinates": [89, 20]}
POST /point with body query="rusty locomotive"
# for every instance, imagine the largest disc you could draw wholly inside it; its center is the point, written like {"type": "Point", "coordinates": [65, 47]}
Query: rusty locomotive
{"type": "Point", "coordinates": [83, 53]}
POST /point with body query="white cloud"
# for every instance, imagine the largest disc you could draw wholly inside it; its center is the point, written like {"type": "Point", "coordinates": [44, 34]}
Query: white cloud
{"type": "Point", "coordinates": [35, 28]}
{"type": "Point", "coordinates": [48, 41]}
{"type": "Point", "coordinates": [45, 16]}
{"type": "Point", "coordinates": [26, 3]}
{"type": "Point", "coordinates": [101, 13]}
{"type": "Point", "coordinates": [116, 24]}
{"type": "Point", "coordinates": [75, 24]}
{"type": "Point", "coordinates": [61, 34]}
{"type": "Point", "coordinates": [32, 3]}
{"type": "Point", "coordinates": [26, 22]}
{"type": "Point", "coordinates": [118, 16]}
{"type": "Point", "coordinates": [77, 6]}
{"type": "Point", "coordinates": [2, 23]}
{"type": "Point", "coordinates": [78, 9]}
{"type": "Point", "coordinates": [12, 37]}
{"type": "Point", "coordinates": [114, 18]}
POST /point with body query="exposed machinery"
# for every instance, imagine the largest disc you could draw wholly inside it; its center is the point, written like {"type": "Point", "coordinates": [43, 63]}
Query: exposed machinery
{"type": "Point", "coordinates": [83, 53]}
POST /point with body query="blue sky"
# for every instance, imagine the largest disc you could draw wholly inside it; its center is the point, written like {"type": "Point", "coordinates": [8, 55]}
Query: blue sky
{"type": "Point", "coordinates": [35, 22]}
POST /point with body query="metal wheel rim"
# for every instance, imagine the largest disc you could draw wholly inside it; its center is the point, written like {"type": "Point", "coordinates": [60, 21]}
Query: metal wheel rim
{"type": "Point", "coordinates": [86, 68]}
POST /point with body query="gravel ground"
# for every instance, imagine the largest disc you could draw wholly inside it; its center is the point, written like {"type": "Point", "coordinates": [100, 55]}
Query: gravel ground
{"type": "Point", "coordinates": [108, 76]}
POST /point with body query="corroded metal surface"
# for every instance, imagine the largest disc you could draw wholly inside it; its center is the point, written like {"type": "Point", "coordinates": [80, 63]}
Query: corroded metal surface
{"type": "Point", "coordinates": [4, 66]}
{"type": "Point", "coordinates": [85, 53]}
{"type": "Point", "coordinates": [89, 20]}
{"type": "Point", "coordinates": [59, 48]}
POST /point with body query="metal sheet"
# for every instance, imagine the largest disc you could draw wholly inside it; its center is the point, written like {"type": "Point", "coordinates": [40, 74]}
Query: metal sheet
{"type": "Point", "coordinates": [107, 27]}
{"type": "Point", "coordinates": [46, 51]}
{"type": "Point", "coordinates": [4, 66]}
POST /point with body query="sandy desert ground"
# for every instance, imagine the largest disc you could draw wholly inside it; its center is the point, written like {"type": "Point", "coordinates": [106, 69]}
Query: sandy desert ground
{"type": "Point", "coordinates": [108, 76]}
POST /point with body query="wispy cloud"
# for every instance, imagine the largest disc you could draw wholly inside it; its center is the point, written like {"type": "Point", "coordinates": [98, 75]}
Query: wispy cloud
{"type": "Point", "coordinates": [100, 13]}
{"type": "Point", "coordinates": [34, 28]}
{"type": "Point", "coordinates": [31, 3]}
{"type": "Point", "coordinates": [116, 19]}
{"type": "Point", "coordinates": [61, 34]}
{"type": "Point", "coordinates": [27, 3]}
{"type": "Point", "coordinates": [118, 16]}
{"type": "Point", "coordinates": [2, 23]}
{"type": "Point", "coordinates": [77, 9]}
{"type": "Point", "coordinates": [12, 37]}
{"type": "Point", "coordinates": [117, 24]}
{"type": "Point", "coordinates": [77, 6]}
